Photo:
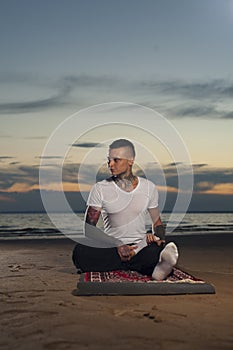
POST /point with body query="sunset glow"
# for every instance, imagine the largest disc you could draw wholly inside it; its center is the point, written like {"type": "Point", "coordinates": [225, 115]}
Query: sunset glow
{"type": "Point", "coordinates": [175, 59]}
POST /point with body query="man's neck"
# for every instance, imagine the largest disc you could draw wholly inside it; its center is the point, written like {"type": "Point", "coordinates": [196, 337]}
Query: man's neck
{"type": "Point", "coordinates": [127, 182]}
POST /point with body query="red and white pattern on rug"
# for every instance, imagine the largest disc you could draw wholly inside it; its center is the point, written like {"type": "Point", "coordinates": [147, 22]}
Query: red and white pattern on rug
{"type": "Point", "coordinates": [177, 275]}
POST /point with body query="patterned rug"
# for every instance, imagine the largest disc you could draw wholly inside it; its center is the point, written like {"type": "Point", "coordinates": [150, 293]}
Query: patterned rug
{"type": "Point", "coordinates": [119, 276]}
{"type": "Point", "coordinates": [133, 283]}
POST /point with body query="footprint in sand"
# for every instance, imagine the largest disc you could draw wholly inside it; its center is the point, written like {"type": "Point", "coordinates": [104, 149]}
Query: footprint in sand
{"type": "Point", "coordinates": [138, 313]}
{"type": "Point", "coordinates": [16, 267]}
{"type": "Point", "coordinates": [21, 311]}
{"type": "Point", "coordinates": [61, 345]}
{"type": "Point", "coordinates": [14, 318]}
{"type": "Point", "coordinates": [45, 267]}
{"type": "Point", "coordinates": [153, 317]}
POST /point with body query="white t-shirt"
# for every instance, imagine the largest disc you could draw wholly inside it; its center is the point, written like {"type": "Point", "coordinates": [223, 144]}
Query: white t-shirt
{"type": "Point", "coordinates": [124, 213]}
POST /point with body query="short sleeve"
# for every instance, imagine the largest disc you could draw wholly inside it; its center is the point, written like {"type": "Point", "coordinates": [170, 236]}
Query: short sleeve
{"type": "Point", "coordinates": [94, 198]}
{"type": "Point", "coordinates": [153, 196]}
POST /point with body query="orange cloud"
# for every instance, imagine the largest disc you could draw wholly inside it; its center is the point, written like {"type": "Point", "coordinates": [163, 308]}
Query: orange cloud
{"type": "Point", "coordinates": [21, 187]}
{"type": "Point", "coordinates": [225, 189]}
{"type": "Point", "coordinates": [167, 189]}
{"type": "Point", "coordinates": [65, 186]}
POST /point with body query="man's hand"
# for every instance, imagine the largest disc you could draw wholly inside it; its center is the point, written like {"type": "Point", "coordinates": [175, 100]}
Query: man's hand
{"type": "Point", "coordinates": [126, 252]}
{"type": "Point", "coordinates": [151, 238]}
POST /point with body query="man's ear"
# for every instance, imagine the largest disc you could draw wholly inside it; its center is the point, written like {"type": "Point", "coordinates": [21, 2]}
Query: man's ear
{"type": "Point", "coordinates": [131, 161]}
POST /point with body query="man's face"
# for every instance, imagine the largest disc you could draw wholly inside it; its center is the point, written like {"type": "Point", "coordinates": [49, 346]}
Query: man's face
{"type": "Point", "coordinates": [120, 161]}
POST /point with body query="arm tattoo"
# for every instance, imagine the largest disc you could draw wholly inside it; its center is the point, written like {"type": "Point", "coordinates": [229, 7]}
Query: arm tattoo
{"type": "Point", "coordinates": [92, 216]}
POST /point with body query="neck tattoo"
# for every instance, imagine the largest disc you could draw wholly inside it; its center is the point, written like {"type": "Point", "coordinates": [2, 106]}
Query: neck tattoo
{"type": "Point", "coordinates": [126, 183]}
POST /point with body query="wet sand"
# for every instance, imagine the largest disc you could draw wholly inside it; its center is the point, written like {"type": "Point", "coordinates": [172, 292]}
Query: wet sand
{"type": "Point", "coordinates": [38, 310]}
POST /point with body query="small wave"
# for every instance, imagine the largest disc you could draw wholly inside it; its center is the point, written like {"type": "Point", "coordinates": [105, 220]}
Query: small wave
{"type": "Point", "coordinates": [38, 225]}
{"type": "Point", "coordinates": [29, 231]}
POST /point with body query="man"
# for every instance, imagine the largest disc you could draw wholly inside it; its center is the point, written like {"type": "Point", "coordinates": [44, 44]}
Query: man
{"type": "Point", "coordinates": [124, 200]}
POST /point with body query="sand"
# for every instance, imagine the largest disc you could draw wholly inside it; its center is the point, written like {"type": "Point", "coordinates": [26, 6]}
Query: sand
{"type": "Point", "coordinates": [38, 310]}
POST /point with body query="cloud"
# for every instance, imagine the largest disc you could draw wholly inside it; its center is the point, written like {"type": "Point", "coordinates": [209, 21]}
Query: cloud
{"type": "Point", "coordinates": [32, 82]}
{"type": "Point", "coordinates": [200, 165]}
{"type": "Point", "coordinates": [3, 158]}
{"type": "Point", "coordinates": [88, 173]}
{"type": "Point", "coordinates": [35, 105]}
{"type": "Point", "coordinates": [3, 136]}
{"type": "Point", "coordinates": [87, 144]}
{"type": "Point", "coordinates": [49, 157]}
{"type": "Point", "coordinates": [35, 138]}
{"type": "Point", "coordinates": [118, 107]}
{"type": "Point", "coordinates": [195, 89]}
{"type": "Point", "coordinates": [19, 174]}
{"type": "Point", "coordinates": [212, 89]}
{"type": "Point", "coordinates": [204, 99]}
{"type": "Point", "coordinates": [206, 179]}
{"type": "Point", "coordinates": [14, 163]}
{"type": "Point", "coordinates": [19, 78]}
{"type": "Point", "coordinates": [199, 110]}
{"type": "Point", "coordinates": [63, 88]}
{"type": "Point", "coordinates": [86, 80]}
{"type": "Point", "coordinates": [196, 111]}
{"type": "Point", "coordinates": [179, 99]}
{"type": "Point", "coordinates": [176, 97]}
{"type": "Point", "coordinates": [228, 115]}
{"type": "Point", "coordinates": [203, 186]}
{"type": "Point", "coordinates": [174, 164]}
{"type": "Point", "coordinates": [20, 183]}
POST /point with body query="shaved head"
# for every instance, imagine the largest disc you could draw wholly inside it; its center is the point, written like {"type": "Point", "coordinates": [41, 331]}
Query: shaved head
{"type": "Point", "coordinates": [127, 148]}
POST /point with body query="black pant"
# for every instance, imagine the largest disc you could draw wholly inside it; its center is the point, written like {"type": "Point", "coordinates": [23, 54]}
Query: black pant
{"type": "Point", "coordinates": [88, 258]}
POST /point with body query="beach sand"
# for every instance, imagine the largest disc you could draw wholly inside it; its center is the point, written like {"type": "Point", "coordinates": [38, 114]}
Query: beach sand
{"type": "Point", "coordinates": [38, 310]}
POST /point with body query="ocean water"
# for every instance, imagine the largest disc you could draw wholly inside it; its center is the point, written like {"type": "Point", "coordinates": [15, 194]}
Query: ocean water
{"type": "Point", "coordinates": [39, 225]}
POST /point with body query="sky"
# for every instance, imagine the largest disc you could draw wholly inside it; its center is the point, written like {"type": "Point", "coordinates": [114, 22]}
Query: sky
{"type": "Point", "coordinates": [59, 58]}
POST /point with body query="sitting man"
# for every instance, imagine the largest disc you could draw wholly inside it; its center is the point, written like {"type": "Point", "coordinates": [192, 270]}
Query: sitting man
{"type": "Point", "coordinates": [124, 200]}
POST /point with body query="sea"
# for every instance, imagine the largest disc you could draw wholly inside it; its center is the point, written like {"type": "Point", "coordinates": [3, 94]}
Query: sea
{"type": "Point", "coordinates": [39, 225]}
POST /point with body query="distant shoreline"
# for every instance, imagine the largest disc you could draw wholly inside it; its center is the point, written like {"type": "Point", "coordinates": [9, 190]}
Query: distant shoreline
{"type": "Point", "coordinates": [197, 238]}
